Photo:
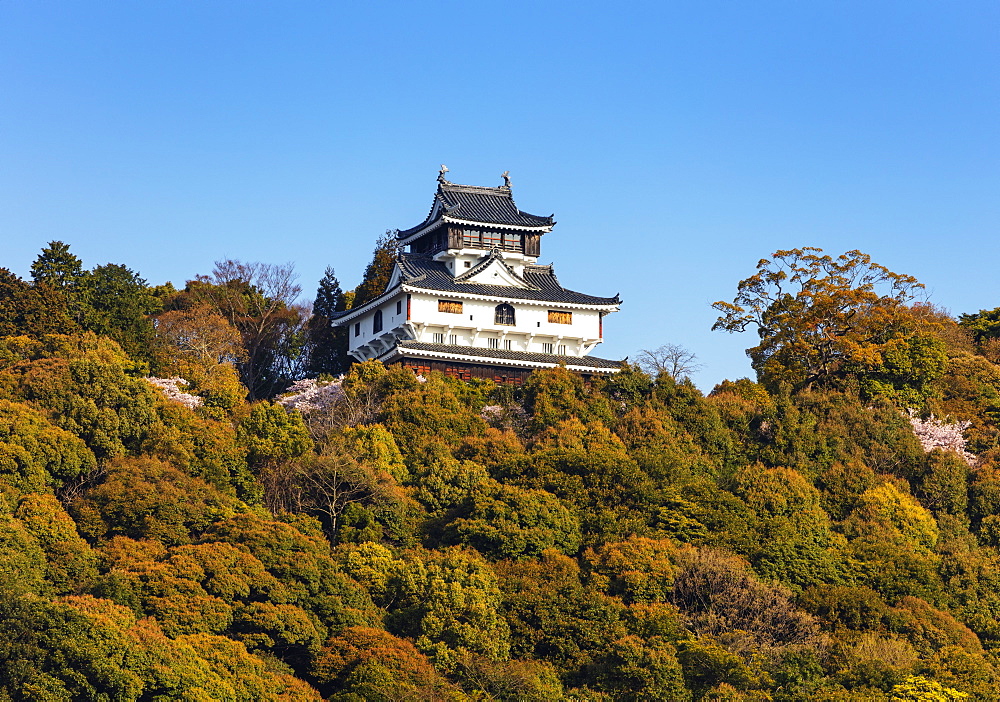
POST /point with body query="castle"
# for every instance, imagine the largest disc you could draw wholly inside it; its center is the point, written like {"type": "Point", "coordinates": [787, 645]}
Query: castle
{"type": "Point", "coordinates": [468, 298]}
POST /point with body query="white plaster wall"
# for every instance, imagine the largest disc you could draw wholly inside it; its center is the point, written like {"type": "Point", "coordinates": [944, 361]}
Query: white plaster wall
{"type": "Point", "coordinates": [390, 320]}
{"type": "Point", "coordinates": [455, 259]}
{"type": "Point", "coordinates": [476, 324]}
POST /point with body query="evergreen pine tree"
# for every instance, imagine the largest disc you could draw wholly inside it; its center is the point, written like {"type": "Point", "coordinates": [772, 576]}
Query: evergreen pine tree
{"type": "Point", "coordinates": [328, 345]}
{"type": "Point", "coordinates": [56, 266]}
{"type": "Point", "coordinates": [61, 270]}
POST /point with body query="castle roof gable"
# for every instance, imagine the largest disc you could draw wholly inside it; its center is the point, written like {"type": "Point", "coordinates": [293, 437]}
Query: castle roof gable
{"type": "Point", "coordinates": [536, 283]}
{"type": "Point", "coordinates": [474, 204]}
{"type": "Point", "coordinates": [493, 271]}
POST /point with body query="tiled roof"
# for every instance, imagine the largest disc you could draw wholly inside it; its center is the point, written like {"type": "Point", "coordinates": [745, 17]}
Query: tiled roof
{"type": "Point", "coordinates": [478, 204]}
{"type": "Point", "coordinates": [423, 272]}
{"type": "Point", "coordinates": [584, 361]}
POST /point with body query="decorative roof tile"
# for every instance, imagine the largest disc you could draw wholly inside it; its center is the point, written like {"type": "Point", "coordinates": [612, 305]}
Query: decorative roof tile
{"type": "Point", "coordinates": [525, 356]}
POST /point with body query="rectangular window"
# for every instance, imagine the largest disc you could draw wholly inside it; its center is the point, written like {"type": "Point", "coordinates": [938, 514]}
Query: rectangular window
{"type": "Point", "coordinates": [492, 240]}
{"type": "Point", "coordinates": [557, 317]}
{"type": "Point", "coordinates": [511, 241]}
{"type": "Point", "coordinates": [438, 338]}
{"type": "Point", "coordinates": [546, 348]}
{"type": "Point", "coordinates": [562, 349]}
{"type": "Point", "coordinates": [494, 343]}
{"type": "Point", "coordinates": [357, 329]}
{"type": "Point", "coordinates": [450, 306]}
{"type": "Point", "coordinates": [508, 344]}
{"type": "Point", "coordinates": [453, 339]}
{"type": "Point", "coordinates": [399, 307]}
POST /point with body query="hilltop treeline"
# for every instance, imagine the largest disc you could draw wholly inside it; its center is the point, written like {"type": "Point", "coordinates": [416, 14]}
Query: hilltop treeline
{"type": "Point", "coordinates": [223, 533]}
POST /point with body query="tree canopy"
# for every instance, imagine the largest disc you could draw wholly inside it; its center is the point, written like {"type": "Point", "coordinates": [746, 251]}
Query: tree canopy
{"type": "Point", "coordinates": [821, 318]}
{"type": "Point", "coordinates": [831, 532]}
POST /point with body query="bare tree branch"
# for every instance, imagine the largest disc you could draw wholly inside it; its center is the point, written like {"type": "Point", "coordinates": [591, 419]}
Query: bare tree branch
{"type": "Point", "coordinates": [672, 359]}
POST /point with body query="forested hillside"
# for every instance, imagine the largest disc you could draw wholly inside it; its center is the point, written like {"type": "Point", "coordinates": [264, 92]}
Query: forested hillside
{"type": "Point", "coordinates": [192, 506]}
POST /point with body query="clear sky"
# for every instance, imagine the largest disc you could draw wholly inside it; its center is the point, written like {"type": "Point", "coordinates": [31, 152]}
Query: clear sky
{"type": "Point", "coordinates": [676, 142]}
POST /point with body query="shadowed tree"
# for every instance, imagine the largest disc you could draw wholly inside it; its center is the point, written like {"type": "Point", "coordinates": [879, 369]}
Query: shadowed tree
{"type": "Point", "coordinates": [379, 271]}
{"type": "Point", "coordinates": [118, 304]}
{"type": "Point", "coordinates": [32, 310]}
{"type": "Point", "coordinates": [327, 345]}
{"type": "Point", "coordinates": [258, 299]}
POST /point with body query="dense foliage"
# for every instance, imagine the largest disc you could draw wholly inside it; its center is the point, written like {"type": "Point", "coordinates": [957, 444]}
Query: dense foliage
{"type": "Point", "coordinates": [831, 532]}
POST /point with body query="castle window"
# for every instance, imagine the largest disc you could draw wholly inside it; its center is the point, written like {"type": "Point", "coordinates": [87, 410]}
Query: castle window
{"type": "Point", "coordinates": [494, 342]}
{"type": "Point", "coordinates": [471, 238]}
{"type": "Point", "coordinates": [453, 339]}
{"type": "Point", "coordinates": [511, 241]}
{"type": "Point", "coordinates": [504, 315]}
{"type": "Point", "coordinates": [450, 306]}
{"type": "Point", "coordinates": [558, 317]}
{"type": "Point", "coordinates": [492, 240]}
{"type": "Point", "coordinates": [357, 329]}
{"type": "Point", "coordinates": [438, 338]}
{"type": "Point", "coordinates": [546, 348]}
{"type": "Point", "coordinates": [399, 307]}
{"type": "Point", "coordinates": [508, 344]}
{"type": "Point", "coordinates": [377, 321]}
{"type": "Point", "coordinates": [562, 349]}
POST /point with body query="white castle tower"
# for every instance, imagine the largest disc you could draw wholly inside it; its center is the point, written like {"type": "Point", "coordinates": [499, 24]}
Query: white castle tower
{"type": "Point", "coordinates": [469, 299]}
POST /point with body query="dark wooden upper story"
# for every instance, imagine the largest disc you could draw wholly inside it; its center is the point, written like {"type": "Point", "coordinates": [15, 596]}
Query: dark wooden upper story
{"type": "Point", "coordinates": [476, 217]}
{"type": "Point", "coordinates": [482, 237]}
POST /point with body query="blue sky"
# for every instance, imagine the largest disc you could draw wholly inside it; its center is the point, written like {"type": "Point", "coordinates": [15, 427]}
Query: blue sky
{"type": "Point", "coordinates": [676, 142]}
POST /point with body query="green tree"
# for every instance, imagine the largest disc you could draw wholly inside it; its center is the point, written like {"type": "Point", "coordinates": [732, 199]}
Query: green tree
{"type": "Point", "coordinates": [297, 554]}
{"type": "Point", "coordinates": [272, 434]}
{"type": "Point", "coordinates": [892, 542]}
{"type": "Point", "coordinates": [379, 271]}
{"type": "Point", "coordinates": [983, 325]}
{"type": "Point", "coordinates": [144, 498]}
{"type": "Point", "coordinates": [35, 455]}
{"type": "Point", "coordinates": [635, 669]}
{"type": "Point", "coordinates": [57, 267]}
{"type": "Point", "coordinates": [451, 604]}
{"type": "Point", "coordinates": [327, 344]}
{"type": "Point", "coordinates": [119, 304]}
{"type": "Point", "coordinates": [89, 388]}
{"type": "Point", "coordinates": [819, 316]}
{"type": "Point", "coordinates": [638, 570]}
{"type": "Point", "coordinates": [32, 310]}
{"type": "Point", "coordinates": [504, 521]}
{"type": "Point", "coordinates": [795, 543]}
{"type": "Point", "coordinates": [556, 616]}
{"type": "Point", "coordinates": [71, 564]}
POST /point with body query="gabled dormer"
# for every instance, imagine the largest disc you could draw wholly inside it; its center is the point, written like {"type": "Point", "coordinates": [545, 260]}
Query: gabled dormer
{"type": "Point", "coordinates": [472, 218]}
{"type": "Point", "coordinates": [492, 270]}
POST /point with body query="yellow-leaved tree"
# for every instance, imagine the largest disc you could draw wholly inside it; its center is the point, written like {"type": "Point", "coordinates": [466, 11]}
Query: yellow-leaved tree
{"type": "Point", "coordinates": [822, 319]}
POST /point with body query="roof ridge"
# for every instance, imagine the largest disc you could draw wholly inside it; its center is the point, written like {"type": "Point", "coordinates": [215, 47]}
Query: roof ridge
{"type": "Point", "coordinates": [502, 190]}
